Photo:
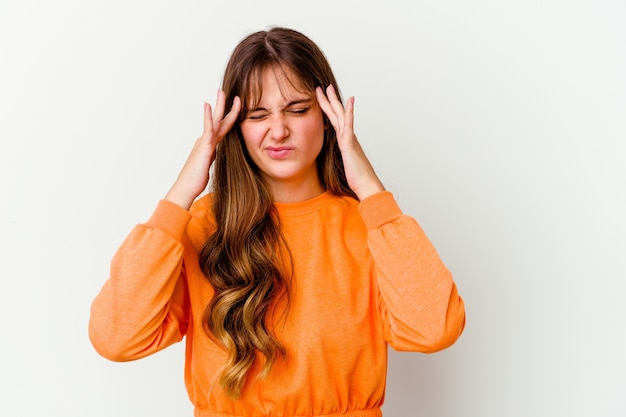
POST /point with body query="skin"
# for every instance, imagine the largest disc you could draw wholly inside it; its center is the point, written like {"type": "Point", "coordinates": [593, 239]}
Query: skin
{"type": "Point", "coordinates": [291, 172]}
{"type": "Point", "coordinates": [284, 134]}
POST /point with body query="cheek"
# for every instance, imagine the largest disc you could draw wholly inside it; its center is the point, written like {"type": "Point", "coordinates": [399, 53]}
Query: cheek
{"type": "Point", "coordinates": [250, 135]}
{"type": "Point", "coordinates": [314, 129]}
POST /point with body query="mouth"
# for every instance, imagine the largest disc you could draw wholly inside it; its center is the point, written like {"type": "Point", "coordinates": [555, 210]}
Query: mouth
{"type": "Point", "coordinates": [278, 152]}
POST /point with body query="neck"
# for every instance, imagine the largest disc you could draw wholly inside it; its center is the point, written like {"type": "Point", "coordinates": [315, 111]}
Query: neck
{"type": "Point", "coordinates": [294, 193]}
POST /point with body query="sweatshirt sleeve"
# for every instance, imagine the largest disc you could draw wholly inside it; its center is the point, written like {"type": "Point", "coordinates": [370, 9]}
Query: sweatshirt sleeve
{"type": "Point", "coordinates": [141, 308]}
{"type": "Point", "coordinates": [420, 305]}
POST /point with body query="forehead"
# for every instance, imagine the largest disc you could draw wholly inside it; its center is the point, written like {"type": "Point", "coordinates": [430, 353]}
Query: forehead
{"type": "Point", "coordinates": [277, 81]}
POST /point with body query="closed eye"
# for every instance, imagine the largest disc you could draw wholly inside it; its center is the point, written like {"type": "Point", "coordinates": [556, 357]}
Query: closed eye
{"type": "Point", "coordinates": [299, 111]}
{"type": "Point", "coordinates": [256, 116]}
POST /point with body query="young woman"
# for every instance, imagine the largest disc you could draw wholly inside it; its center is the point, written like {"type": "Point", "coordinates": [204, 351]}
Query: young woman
{"type": "Point", "coordinates": [293, 275]}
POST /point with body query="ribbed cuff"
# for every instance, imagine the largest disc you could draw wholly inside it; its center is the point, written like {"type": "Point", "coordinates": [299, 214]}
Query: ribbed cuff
{"type": "Point", "coordinates": [171, 218]}
{"type": "Point", "coordinates": [378, 209]}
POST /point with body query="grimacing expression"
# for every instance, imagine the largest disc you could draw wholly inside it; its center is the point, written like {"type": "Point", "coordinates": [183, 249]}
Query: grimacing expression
{"type": "Point", "coordinates": [284, 132]}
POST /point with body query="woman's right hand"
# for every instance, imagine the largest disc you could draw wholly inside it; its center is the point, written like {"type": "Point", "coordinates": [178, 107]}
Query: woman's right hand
{"type": "Point", "coordinates": [194, 176]}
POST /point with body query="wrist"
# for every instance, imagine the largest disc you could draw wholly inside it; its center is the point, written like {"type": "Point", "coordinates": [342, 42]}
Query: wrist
{"type": "Point", "coordinates": [370, 189]}
{"type": "Point", "coordinates": [179, 198]}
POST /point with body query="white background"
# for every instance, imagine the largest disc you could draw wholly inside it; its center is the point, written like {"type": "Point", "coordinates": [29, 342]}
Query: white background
{"type": "Point", "coordinates": [499, 125]}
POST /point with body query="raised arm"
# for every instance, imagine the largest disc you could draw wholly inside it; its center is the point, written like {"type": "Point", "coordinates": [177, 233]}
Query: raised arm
{"type": "Point", "coordinates": [142, 307]}
{"type": "Point", "coordinates": [359, 171]}
{"type": "Point", "coordinates": [420, 304]}
{"type": "Point", "coordinates": [194, 176]}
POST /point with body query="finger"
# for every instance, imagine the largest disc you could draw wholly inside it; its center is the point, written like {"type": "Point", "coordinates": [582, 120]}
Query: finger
{"type": "Point", "coordinates": [336, 104]}
{"type": "Point", "coordinates": [220, 106]}
{"type": "Point", "coordinates": [208, 120]}
{"type": "Point", "coordinates": [349, 114]}
{"type": "Point", "coordinates": [229, 120]}
{"type": "Point", "coordinates": [331, 93]}
{"type": "Point", "coordinates": [326, 107]}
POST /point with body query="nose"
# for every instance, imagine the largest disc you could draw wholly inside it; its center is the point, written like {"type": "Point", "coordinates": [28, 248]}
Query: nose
{"type": "Point", "coordinates": [278, 127]}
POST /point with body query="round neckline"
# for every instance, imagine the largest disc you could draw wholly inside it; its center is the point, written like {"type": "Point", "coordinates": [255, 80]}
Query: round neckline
{"type": "Point", "coordinates": [305, 206]}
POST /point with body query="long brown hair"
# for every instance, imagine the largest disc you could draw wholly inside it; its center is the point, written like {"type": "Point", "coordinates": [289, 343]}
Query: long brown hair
{"type": "Point", "coordinates": [247, 260]}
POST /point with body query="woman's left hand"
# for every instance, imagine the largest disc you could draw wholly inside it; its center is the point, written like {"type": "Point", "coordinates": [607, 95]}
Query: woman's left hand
{"type": "Point", "coordinates": [359, 171]}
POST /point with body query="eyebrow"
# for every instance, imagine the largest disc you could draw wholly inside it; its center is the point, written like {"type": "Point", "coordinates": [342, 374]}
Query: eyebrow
{"type": "Point", "coordinates": [291, 103]}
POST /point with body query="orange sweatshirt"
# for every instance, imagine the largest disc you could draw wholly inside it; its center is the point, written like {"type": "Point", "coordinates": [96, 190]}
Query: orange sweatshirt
{"type": "Point", "coordinates": [365, 276]}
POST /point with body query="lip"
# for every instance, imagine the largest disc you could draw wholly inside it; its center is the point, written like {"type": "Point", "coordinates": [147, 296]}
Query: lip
{"type": "Point", "coordinates": [278, 152]}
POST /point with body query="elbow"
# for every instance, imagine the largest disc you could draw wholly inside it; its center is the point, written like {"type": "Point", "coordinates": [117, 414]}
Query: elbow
{"type": "Point", "coordinates": [108, 350]}
{"type": "Point", "coordinates": [108, 344]}
{"type": "Point", "coordinates": [446, 337]}
{"type": "Point", "coordinates": [451, 327]}
{"type": "Point", "coordinates": [120, 342]}
{"type": "Point", "coordinates": [111, 354]}
{"type": "Point", "coordinates": [430, 337]}
{"type": "Point", "coordinates": [450, 331]}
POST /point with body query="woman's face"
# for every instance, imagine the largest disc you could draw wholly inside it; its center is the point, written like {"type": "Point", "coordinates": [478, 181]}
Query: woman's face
{"type": "Point", "coordinates": [284, 134]}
